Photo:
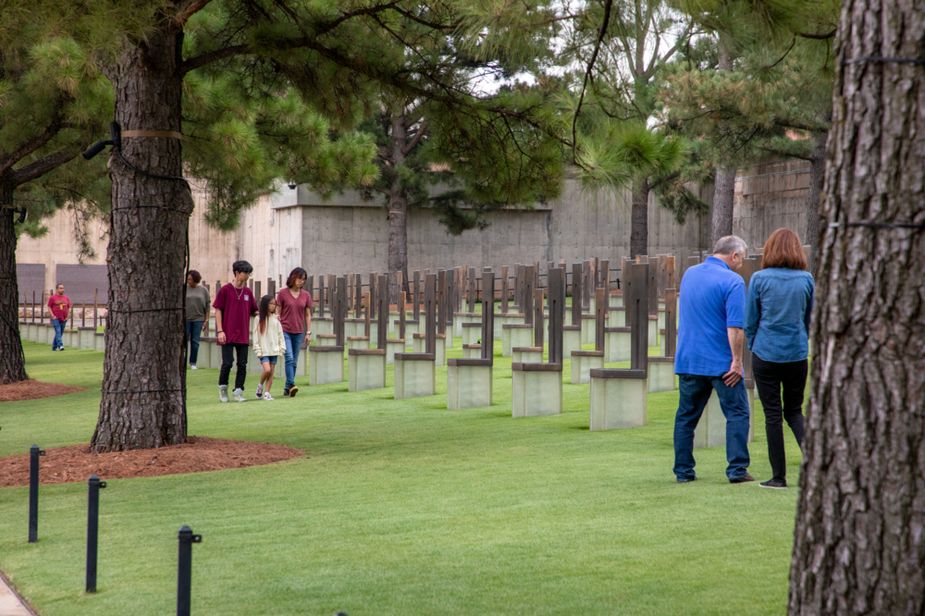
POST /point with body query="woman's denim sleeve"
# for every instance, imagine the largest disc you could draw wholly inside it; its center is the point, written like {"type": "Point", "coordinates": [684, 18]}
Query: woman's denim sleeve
{"type": "Point", "coordinates": [752, 313]}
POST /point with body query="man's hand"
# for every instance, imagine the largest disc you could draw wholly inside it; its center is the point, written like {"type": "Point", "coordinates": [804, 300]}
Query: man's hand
{"type": "Point", "coordinates": [735, 373]}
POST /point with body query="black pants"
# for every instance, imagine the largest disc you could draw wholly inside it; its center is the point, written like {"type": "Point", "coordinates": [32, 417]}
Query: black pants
{"type": "Point", "coordinates": [773, 379]}
{"type": "Point", "coordinates": [228, 353]}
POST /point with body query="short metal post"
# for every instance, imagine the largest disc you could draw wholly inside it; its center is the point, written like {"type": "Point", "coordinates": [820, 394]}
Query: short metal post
{"type": "Point", "coordinates": [93, 528]}
{"type": "Point", "coordinates": [34, 453]}
{"type": "Point", "coordinates": [185, 569]}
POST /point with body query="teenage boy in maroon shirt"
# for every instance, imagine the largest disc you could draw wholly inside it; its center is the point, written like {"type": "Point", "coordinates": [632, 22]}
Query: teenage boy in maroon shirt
{"type": "Point", "coordinates": [60, 305]}
{"type": "Point", "coordinates": [234, 306]}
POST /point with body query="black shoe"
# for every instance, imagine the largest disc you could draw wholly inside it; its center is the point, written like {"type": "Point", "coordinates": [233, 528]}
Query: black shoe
{"type": "Point", "coordinates": [285, 393]}
{"type": "Point", "coordinates": [742, 479]}
{"type": "Point", "coordinates": [686, 479]}
{"type": "Point", "coordinates": [776, 484]}
{"type": "Point", "coordinates": [293, 391]}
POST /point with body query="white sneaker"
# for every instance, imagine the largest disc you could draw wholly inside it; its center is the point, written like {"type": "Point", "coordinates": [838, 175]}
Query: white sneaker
{"type": "Point", "coordinates": [223, 393]}
{"type": "Point", "coordinates": [238, 395]}
{"type": "Point", "coordinates": [259, 391]}
{"type": "Point", "coordinates": [267, 396]}
{"type": "Point", "coordinates": [193, 367]}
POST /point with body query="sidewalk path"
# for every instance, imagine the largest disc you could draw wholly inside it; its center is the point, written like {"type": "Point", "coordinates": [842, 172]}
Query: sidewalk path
{"type": "Point", "coordinates": [10, 605]}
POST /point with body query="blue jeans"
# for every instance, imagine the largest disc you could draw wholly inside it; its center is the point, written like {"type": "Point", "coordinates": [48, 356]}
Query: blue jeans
{"type": "Point", "coordinates": [695, 391]}
{"type": "Point", "coordinates": [58, 343]}
{"type": "Point", "coordinates": [193, 331]}
{"type": "Point", "coordinates": [293, 346]}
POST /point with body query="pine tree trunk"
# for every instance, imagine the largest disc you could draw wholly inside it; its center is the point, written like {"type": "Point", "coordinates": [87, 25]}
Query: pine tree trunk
{"type": "Point", "coordinates": [398, 240]}
{"type": "Point", "coordinates": [398, 207]}
{"type": "Point", "coordinates": [816, 184]}
{"type": "Point", "coordinates": [12, 361]}
{"type": "Point", "coordinates": [639, 219]}
{"type": "Point", "coordinates": [144, 400]}
{"type": "Point", "coordinates": [723, 199]}
{"type": "Point", "coordinates": [859, 545]}
{"type": "Point", "coordinates": [725, 180]}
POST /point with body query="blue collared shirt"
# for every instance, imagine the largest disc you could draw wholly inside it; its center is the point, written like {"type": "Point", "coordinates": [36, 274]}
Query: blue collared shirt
{"type": "Point", "coordinates": [777, 314]}
{"type": "Point", "coordinates": [711, 299]}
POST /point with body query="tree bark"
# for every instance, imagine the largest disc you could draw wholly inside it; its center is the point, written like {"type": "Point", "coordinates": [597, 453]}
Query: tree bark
{"type": "Point", "coordinates": [723, 200]}
{"type": "Point", "coordinates": [725, 180]}
{"type": "Point", "coordinates": [12, 360]}
{"type": "Point", "coordinates": [639, 219]}
{"type": "Point", "coordinates": [816, 184]}
{"type": "Point", "coordinates": [144, 399]}
{"type": "Point", "coordinates": [397, 207]}
{"type": "Point", "coordinates": [859, 545]}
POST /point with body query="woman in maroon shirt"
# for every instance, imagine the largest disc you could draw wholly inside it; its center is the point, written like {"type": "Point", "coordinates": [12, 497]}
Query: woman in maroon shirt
{"type": "Point", "coordinates": [295, 313]}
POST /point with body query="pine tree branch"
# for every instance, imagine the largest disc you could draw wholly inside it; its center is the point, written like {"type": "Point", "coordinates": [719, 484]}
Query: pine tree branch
{"type": "Point", "coordinates": [365, 11]}
{"type": "Point", "coordinates": [242, 49]}
{"type": "Point", "coordinates": [416, 139]}
{"type": "Point", "coordinates": [187, 10]}
{"type": "Point", "coordinates": [33, 143]}
{"type": "Point", "coordinates": [213, 56]}
{"type": "Point", "coordinates": [818, 36]}
{"type": "Point", "coordinates": [797, 125]}
{"type": "Point", "coordinates": [608, 5]}
{"type": "Point", "coordinates": [44, 165]}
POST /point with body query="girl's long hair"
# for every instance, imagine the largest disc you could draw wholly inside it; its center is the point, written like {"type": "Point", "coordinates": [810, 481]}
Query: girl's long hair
{"type": "Point", "coordinates": [264, 312]}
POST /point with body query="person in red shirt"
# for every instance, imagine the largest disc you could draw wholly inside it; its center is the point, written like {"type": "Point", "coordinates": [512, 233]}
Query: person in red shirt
{"type": "Point", "coordinates": [234, 306]}
{"type": "Point", "coordinates": [60, 306]}
{"type": "Point", "coordinates": [295, 315]}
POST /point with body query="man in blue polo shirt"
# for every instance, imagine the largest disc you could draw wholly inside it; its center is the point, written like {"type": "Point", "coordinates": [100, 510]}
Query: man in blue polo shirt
{"type": "Point", "coordinates": [711, 341]}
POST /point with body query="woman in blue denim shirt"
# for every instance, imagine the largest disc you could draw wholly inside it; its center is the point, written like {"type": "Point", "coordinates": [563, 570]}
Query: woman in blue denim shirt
{"type": "Point", "coordinates": [780, 298]}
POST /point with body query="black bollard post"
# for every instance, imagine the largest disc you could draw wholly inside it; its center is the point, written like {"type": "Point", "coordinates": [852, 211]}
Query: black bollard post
{"type": "Point", "coordinates": [34, 453]}
{"type": "Point", "coordinates": [93, 528]}
{"type": "Point", "coordinates": [185, 569]}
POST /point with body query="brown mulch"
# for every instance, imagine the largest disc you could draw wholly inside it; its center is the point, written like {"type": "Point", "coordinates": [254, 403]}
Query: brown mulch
{"type": "Point", "coordinates": [199, 453]}
{"type": "Point", "coordinates": [31, 390]}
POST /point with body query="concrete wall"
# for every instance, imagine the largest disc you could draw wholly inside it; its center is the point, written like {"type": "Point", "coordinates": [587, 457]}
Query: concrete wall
{"type": "Point", "coordinates": [348, 234]}
{"type": "Point", "coordinates": [344, 233]}
{"type": "Point", "coordinates": [211, 251]}
{"type": "Point", "coordinates": [771, 196]}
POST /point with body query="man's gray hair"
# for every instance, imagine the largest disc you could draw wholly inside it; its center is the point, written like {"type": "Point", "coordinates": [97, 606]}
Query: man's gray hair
{"type": "Point", "coordinates": [729, 244]}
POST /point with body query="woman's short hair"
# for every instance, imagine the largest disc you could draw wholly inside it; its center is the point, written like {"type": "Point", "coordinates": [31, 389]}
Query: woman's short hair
{"type": "Point", "coordinates": [196, 276]}
{"type": "Point", "coordinates": [784, 249]}
{"type": "Point", "coordinates": [294, 275]}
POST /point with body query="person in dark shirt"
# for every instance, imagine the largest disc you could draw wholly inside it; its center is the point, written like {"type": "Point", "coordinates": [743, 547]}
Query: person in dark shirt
{"type": "Point", "coordinates": [234, 306]}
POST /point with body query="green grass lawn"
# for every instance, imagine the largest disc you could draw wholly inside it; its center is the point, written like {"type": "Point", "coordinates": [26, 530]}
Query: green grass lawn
{"type": "Point", "coordinates": [401, 507]}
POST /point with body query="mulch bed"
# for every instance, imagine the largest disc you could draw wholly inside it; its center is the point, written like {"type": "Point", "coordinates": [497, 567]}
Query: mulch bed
{"type": "Point", "coordinates": [31, 390]}
{"type": "Point", "coordinates": [76, 463]}
{"type": "Point", "coordinates": [199, 453]}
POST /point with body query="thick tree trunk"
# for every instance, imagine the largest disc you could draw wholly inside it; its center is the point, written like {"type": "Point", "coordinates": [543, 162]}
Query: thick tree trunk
{"type": "Point", "coordinates": [639, 219]}
{"type": "Point", "coordinates": [723, 199]}
{"type": "Point", "coordinates": [816, 184]}
{"type": "Point", "coordinates": [859, 545]}
{"type": "Point", "coordinates": [398, 239]}
{"type": "Point", "coordinates": [144, 399]}
{"type": "Point", "coordinates": [725, 181]}
{"type": "Point", "coordinates": [398, 207]}
{"type": "Point", "coordinates": [12, 360]}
